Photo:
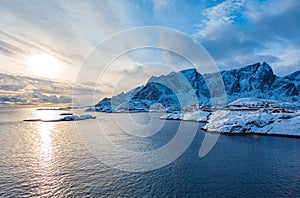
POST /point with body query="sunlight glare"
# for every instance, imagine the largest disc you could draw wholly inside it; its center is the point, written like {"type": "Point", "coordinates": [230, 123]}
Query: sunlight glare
{"type": "Point", "coordinates": [44, 65]}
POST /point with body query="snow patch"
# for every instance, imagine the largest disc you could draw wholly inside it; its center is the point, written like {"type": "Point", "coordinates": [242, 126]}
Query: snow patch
{"type": "Point", "coordinates": [199, 116]}
{"type": "Point", "coordinates": [259, 122]}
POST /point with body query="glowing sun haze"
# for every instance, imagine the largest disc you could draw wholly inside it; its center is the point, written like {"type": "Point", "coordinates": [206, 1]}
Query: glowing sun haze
{"type": "Point", "coordinates": [44, 65]}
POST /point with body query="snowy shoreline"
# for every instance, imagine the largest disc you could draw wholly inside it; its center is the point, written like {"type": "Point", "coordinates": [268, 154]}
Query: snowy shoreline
{"type": "Point", "coordinates": [244, 122]}
{"type": "Point", "coordinates": [274, 121]}
{"type": "Point", "coordinates": [244, 116]}
{"type": "Point", "coordinates": [252, 134]}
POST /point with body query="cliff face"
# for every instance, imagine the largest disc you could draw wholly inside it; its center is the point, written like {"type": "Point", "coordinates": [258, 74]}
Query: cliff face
{"type": "Point", "coordinates": [255, 81]}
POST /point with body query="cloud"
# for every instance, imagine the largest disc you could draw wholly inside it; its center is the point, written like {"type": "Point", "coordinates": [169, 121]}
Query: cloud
{"type": "Point", "coordinates": [9, 49]}
{"type": "Point", "coordinates": [21, 90]}
{"type": "Point", "coordinates": [240, 32]}
{"type": "Point", "coordinates": [161, 4]}
{"type": "Point", "coordinates": [136, 71]}
{"type": "Point", "coordinates": [219, 17]}
{"type": "Point", "coordinates": [67, 30]}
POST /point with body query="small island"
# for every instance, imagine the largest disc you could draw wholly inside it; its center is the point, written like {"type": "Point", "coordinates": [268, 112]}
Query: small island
{"type": "Point", "coordinates": [65, 118]}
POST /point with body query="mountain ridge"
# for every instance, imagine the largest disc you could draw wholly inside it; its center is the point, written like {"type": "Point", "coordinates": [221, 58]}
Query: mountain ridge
{"type": "Point", "coordinates": [256, 80]}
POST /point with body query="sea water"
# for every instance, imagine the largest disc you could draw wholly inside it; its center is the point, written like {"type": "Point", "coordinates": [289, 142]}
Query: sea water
{"type": "Point", "coordinates": [51, 159]}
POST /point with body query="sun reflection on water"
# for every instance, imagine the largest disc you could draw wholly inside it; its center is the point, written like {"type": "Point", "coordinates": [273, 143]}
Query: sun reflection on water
{"type": "Point", "coordinates": [45, 142]}
{"type": "Point", "coordinates": [44, 151]}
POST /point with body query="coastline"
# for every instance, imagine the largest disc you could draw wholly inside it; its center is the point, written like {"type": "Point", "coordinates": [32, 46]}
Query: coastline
{"type": "Point", "coordinates": [251, 134]}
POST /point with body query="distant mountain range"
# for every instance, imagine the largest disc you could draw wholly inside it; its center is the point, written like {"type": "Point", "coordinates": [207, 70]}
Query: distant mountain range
{"type": "Point", "coordinates": [255, 81]}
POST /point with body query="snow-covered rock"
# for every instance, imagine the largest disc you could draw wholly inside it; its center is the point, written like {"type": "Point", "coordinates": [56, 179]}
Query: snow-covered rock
{"type": "Point", "coordinates": [271, 118]}
{"type": "Point", "coordinates": [259, 122]}
{"type": "Point", "coordinates": [199, 116]}
{"type": "Point", "coordinates": [286, 126]}
{"type": "Point", "coordinates": [75, 117]}
{"type": "Point", "coordinates": [172, 116]}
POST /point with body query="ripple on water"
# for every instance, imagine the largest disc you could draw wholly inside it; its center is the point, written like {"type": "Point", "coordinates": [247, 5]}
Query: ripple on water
{"type": "Point", "coordinates": [49, 159]}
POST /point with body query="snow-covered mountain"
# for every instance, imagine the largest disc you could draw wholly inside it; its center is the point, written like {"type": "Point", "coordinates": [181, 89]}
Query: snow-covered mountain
{"type": "Point", "coordinates": [255, 81]}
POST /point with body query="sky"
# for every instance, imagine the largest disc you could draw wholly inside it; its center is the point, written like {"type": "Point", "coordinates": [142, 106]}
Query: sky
{"type": "Point", "coordinates": [234, 32]}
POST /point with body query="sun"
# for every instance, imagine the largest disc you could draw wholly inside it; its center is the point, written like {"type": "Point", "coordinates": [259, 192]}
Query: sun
{"type": "Point", "coordinates": [44, 65]}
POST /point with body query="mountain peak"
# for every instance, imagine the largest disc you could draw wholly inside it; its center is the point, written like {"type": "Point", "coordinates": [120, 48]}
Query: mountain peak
{"type": "Point", "coordinates": [191, 70]}
{"type": "Point", "coordinates": [253, 68]}
{"type": "Point", "coordinates": [294, 76]}
{"type": "Point", "coordinates": [266, 66]}
{"type": "Point", "coordinates": [255, 80]}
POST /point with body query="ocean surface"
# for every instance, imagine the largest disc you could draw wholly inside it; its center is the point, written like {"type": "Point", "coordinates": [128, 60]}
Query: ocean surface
{"type": "Point", "coordinates": [51, 159]}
